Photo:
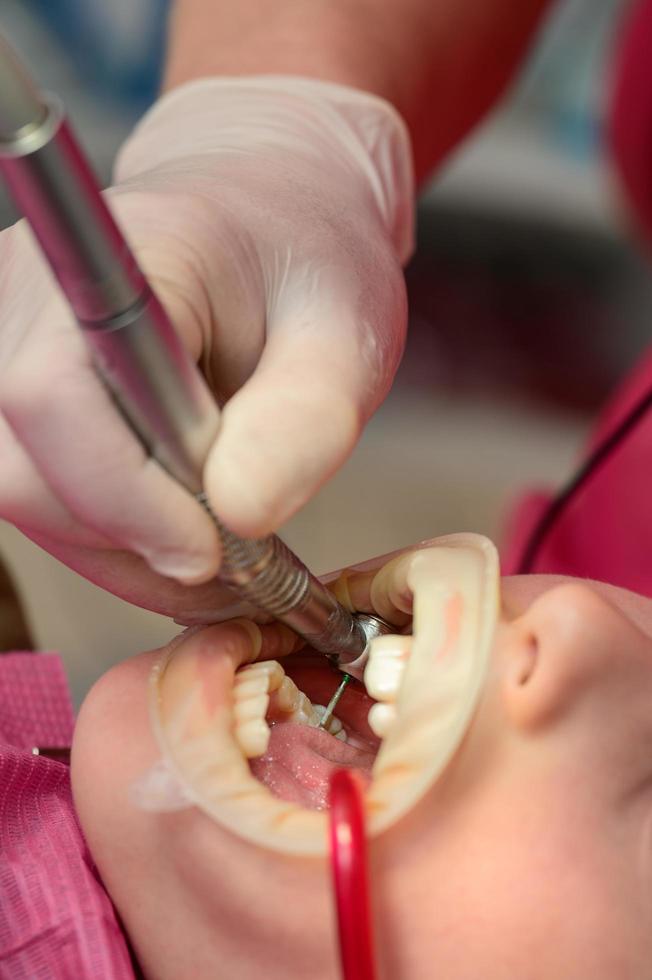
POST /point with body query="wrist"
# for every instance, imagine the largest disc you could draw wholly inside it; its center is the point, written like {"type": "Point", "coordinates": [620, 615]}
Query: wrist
{"type": "Point", "coordinates": [324, 39]}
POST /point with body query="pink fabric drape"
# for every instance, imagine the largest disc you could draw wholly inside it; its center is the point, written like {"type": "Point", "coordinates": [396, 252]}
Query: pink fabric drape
{"type": "Point", "coordinates": [56, 920]}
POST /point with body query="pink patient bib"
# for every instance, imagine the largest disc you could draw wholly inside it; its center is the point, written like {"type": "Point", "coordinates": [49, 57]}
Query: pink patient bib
{"type": "Point", "coordinates": [56, 920]}
{"type": "Point", "coordinates": [606, 532]}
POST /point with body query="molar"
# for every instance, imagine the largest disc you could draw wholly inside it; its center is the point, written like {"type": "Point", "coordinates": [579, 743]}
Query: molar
{"type": "Point", "coordinates": [287, 696]}
{"type": "Point", "coordinates": [304, 713]}
{"type": "Point", "coordinates": [248, 708]}
{"type": "Point", "coordinates": [253, 737]}
{"type": "Point", "coordinates": [252, 687]}
{"type": "Point", "coordinates": [264, 687]}
{"type": "Point", "coordinates": [334, 726]}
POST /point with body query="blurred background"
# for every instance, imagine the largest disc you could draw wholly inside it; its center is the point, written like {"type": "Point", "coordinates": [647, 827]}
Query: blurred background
{"type": "Point", "coordinates": [528, 304]}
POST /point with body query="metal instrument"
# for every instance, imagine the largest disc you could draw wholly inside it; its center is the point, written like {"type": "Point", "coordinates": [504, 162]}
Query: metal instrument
{"type": "Point", "coordinates": [373, 626]}
{"type": "Point", "coordinates": [138, 353]}
{"type": "Point", "coordinates": [334, 701]}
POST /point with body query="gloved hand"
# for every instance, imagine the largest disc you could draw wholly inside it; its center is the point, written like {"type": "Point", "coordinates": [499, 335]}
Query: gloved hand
{"type": "Point", "coordinates": [272, 216]}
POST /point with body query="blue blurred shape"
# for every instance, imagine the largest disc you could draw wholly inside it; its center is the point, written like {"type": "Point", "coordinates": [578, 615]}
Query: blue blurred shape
{"type": "Point", "coordinates": [116, 45]}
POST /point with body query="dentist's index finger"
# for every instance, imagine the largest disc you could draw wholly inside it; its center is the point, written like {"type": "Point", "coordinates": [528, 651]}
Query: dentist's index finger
{"type": "Point", "coordinates": [296, 420]}
{"type": "Point", "coordinates": [67, 423]}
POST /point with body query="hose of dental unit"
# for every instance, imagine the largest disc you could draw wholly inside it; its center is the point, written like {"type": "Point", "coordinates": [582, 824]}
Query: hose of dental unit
{"type": "Point", "coordinates": [348, 851]}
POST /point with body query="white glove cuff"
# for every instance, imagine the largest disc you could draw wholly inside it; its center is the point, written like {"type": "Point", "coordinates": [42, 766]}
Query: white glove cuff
{"type": "Point", "coordinates": [339, 126]}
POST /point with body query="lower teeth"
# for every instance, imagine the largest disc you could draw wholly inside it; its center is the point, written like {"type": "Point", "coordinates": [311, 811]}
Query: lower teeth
{"type": "Point", "coordinates": [334, 726]}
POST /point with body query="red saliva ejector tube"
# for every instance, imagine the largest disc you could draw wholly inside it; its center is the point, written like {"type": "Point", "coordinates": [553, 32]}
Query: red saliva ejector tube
{"type": "Point", "coordinates": [348, 850]}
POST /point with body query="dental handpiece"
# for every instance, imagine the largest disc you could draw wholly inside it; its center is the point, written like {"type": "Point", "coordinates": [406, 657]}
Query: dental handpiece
{"type": "Point", "coordinates": [139, 355]}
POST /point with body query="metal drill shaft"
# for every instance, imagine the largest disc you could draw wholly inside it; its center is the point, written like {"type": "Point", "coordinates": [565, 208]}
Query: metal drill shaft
{"type": "Point", "coordinates": [273, 578]}
{"type": "Point", "coordinates": [334, 701]}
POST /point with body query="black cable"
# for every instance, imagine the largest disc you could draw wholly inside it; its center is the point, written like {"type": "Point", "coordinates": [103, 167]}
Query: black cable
{"type": "Point", "coordinates": [599, 455]}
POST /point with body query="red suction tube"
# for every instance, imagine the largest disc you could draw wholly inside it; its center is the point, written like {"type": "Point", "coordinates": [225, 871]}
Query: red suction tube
{"type": "Point", "coordinates": [350, 876]}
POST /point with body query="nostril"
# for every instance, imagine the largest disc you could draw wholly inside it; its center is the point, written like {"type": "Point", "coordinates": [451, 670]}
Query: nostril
{"type": "Point", "coordinates": [527, 660]}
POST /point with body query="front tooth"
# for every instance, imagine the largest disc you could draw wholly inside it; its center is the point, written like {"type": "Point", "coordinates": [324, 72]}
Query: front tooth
{"type": "Point", "coordinates": [253, 737]}
{"type": "Point", "coordinates": [381, 718]}
{"type": "Point", "coordinates": [248, 708]}
{"type": "Point", "coordinates": [384, 672]}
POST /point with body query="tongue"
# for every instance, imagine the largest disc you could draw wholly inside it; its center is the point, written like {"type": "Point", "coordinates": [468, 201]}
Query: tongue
{"type": "Point", "coordinates": [299, 761]}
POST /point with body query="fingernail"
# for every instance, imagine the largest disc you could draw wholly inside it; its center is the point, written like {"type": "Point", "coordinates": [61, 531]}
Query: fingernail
{"type": "Point", "coordinates": [187, 569]}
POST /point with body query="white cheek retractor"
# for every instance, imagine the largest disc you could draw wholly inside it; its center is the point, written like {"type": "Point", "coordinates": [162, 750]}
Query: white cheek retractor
{"type": "Point", "coordinates": [427, 687]}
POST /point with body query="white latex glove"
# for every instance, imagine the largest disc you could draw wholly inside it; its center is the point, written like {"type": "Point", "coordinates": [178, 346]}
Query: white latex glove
{"type": "Point", "coordinates": [272, 216]}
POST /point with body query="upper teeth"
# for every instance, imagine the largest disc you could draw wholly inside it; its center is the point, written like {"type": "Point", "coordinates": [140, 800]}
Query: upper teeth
{"type": "Point", "coordinates": [264, 686]}
{"type": "Point", "coordinates": [252, 687]}
{"type": "Point", "coordinates": [383, 674]}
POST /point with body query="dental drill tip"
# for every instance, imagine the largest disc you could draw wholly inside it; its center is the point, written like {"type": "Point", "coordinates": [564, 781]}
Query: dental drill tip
{"type": "Point", "coordinates": [20, 103]}
{"type": "Point", "coordinates": [332, 704]}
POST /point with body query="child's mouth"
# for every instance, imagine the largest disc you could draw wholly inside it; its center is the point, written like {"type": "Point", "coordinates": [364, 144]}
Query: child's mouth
{"type": "Point", "coordinates": [240, 738]}
{"type": "Point", "coordinates": [300, 757]}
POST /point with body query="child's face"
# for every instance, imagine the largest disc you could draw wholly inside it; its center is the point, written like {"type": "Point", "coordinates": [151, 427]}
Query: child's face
{"type": "Point", "coordinates": [530, 856]}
